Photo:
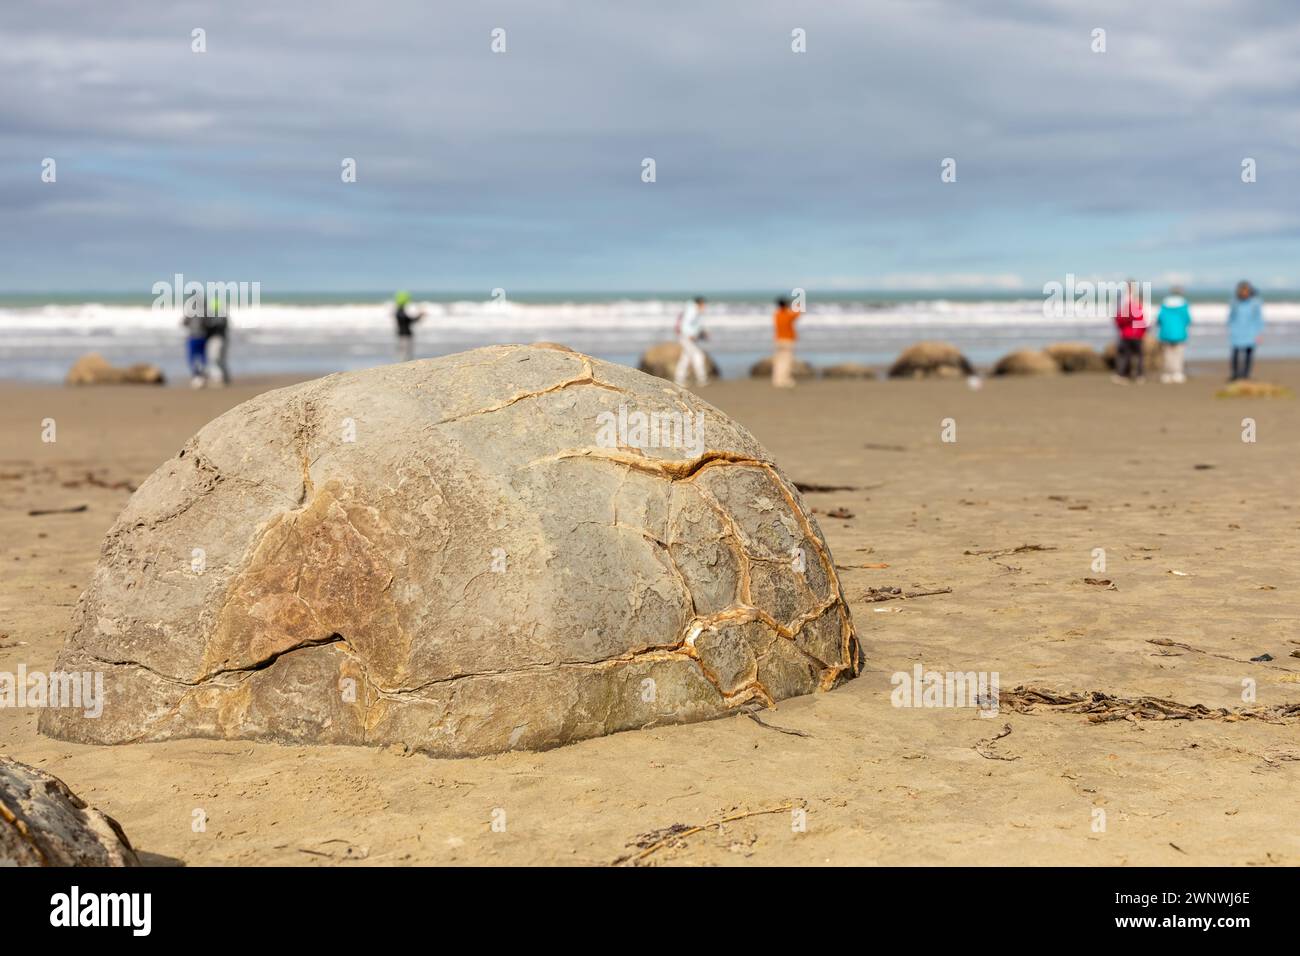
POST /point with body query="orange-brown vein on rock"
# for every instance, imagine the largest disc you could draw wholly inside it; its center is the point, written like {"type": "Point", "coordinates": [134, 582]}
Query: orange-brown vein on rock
{"type": "Point", "coordinates": [586, 377]}
{"type": "Point", "coordinates": [848, 636]}
{"type": "Point", "coordinates": [686, 470]}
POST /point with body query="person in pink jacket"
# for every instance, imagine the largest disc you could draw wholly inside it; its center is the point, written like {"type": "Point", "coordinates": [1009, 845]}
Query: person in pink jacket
{"type": "Point", "coordinates": [1131, 321]}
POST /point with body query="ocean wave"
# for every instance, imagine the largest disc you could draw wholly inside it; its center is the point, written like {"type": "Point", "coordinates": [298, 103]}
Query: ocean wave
{"type": "Point", "coordinates": [616, 315]}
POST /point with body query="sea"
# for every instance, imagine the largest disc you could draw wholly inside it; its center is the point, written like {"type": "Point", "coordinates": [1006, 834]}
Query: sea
{"type": "Point", "coordinates": [311, 334]}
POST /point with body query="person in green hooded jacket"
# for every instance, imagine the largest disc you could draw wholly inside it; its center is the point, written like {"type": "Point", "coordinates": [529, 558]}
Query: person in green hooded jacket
{"type": "Point", "coordinates": [216, 347]}
{"type": "Point", "coordinates": [405, 320]}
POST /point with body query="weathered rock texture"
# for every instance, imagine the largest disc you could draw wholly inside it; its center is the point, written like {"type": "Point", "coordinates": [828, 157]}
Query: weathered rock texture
{"type": "Point", "coordinates": [1251, 389]}
{"type": "Point", "coordinates": [1026, 362]}
{"type": "Point", "coordinates": [475, 572]}
{"type": "Point", "coordinates": [661, 360]}
{"type": "Point", "coordinates": [43, 823]}
{"type": "Point", "coordinates": [930, 360]}
{"type": "Point", "coordinates": [849, 370]}
{"type": "Point", "coordinates": [94, 369]}
{"type": "Point", "coordinates": [1072, 357]}
{"type": "Point", "coordinates": [763, 369]}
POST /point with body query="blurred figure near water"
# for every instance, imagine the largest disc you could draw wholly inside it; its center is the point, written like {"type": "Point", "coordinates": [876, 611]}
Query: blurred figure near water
{"type": "Point", "coordinates": [406, 318]}
{"type": "Point", "coordinates": [783, 344]}
{"type": "Point", "coordinates": [1173, 321]}
{"type": "Point", "coordinates": [196, 345]}
{"type": "Point", "coordinates": [216, 328]}
{"type": "Point", "coordinates": [690, 332]}
{"type": "Point", "coordinates": [1131, 321]}
{"type": "Point", "coordinates": [1245, 323]}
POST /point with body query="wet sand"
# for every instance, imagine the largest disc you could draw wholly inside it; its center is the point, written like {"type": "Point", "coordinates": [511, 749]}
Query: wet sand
{"type": "Point", "coordinates": [1157, 476]}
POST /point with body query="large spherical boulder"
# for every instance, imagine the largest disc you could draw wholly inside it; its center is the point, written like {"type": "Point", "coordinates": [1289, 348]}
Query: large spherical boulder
{"type": "Point", "coordinates": [43, 823]}
{"type": "Point", "coordinates": [849, 370]}
{"type": "Point", "coordinates": [94, 369]}
{"type": "Point", "coordinates": [513, 547]}
{"type": "Point", "coordinates": [931, 360]}
{"type": "Point", "coordinates": [799, 369]}
{"type": "Point", "coordinates": [1071, 357]}
{"type": "Point", "coordinates": [661, 360]}
{"type": "Point", "coordinates": [1026, 362]}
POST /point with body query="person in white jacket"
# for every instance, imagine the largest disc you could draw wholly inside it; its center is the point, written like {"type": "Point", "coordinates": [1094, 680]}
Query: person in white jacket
{"type": "Point", "coordinates": [690, 331]}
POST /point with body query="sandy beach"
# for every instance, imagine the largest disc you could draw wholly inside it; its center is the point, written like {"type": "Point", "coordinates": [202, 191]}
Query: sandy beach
{"type": "Point", "coordinates": [995, 533]}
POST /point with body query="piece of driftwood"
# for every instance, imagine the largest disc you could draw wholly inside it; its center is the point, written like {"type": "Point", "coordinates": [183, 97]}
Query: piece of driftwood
{"type": "Point", "coordinates": [872, 595]}
{"type": "Point", "coordinates": [656, 840]}
{"type": "Point", "coordinates": [75, 509]}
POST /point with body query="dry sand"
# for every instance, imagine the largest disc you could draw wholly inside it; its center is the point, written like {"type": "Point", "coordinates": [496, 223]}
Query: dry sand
{"type": "Point", "coordinates": [1069, 463]}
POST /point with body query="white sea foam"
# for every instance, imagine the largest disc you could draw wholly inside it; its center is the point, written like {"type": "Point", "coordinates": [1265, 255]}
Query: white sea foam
{"type": "Point", "coordinates": [41, 342]}
{"type": "Point", "coordinates": [472, 318]}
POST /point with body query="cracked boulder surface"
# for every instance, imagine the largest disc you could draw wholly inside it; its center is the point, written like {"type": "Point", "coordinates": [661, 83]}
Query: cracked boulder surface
{"type": "Point", "coordinates": [43, 823]}
{"type": "Point", "coordinates": [445, 554]}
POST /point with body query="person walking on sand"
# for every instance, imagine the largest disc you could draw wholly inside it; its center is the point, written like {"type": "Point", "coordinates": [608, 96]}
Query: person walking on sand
{"type": "Point", "coordinates": [1132, 324]}
{"type": "Point", "coordinates": [405, 319]}
{"type": "Point", "coordinates": [1245, 323]}
{"type": "Point", "coordinates": [783, 319]}
{"type": "Point", "coordinates": [216, 329]}
{"type": "Point", "coordinates": [1174, 318]}
{"type": "Point", "coordinates": [690, 332]}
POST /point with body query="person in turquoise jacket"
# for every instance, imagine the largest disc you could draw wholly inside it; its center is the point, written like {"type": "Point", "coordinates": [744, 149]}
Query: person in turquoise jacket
{"type": "Point", "coordinates": [1174, 318]}
{"type": "Point", "coordinates": [1245, 323]}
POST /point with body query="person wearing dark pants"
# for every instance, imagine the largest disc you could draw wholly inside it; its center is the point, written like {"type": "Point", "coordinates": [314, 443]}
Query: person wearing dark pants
{"type": "Point", "coordinates": [216, 327]}
{"type": "Point", "coordinates": [1129, 361]}
{"type": "Point", "coordinates": [1131, 321]}
{"type": "Point", "coordinates": [406, 318]}
{"type": "Point", "coordinates": [1245, 323]}
{"type": "Point", "coordinates": [1243, 359]}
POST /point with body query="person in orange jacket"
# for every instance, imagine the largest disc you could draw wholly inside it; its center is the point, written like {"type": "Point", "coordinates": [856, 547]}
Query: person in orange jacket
{"type": "Point", "coordinates": [783, 319]}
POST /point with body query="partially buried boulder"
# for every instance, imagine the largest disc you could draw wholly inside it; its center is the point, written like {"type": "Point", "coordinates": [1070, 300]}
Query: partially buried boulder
{"type": "Point", "coordinates": [1245, 388]}
{"type": "Point", "coordinates": [94, 369]}
{"type": "Point", "coordinates": [43, 823]}
{"type": "Point", "coordinates": [848, 370]}
{"type": "Point", "coordinates": [931, 359]}
{"type": "Point", "coordinates": [661, 360]}
{"type": "Point", "coordinates": [1072, 357]}
{"type": "Point", "coordinates": [1026, 362]}
{"type": "Point", "coordinates": [763, 369]}
{"type": "Point", "coordinates": [514, 547]}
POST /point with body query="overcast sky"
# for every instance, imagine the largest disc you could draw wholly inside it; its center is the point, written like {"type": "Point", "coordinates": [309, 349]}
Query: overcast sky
{"type": "Point", "coordinates": [523, 169]}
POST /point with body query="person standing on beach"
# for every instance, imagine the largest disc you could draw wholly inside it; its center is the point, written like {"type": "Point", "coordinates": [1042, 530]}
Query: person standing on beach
{"type": "Point", "coordinates": [1174, 318]}
{"type": "Point", "coordinates": [405, 319]}
{"type": "Point", "coordinates": [1132, 324]}
{"type": "Point", "coordinates": [1245, 323]}
{"type": "Point", "coordinates": [783, 319]}
{"type": "Point", "coordinates": [216, 328]}
{"type": "Point", "coordinates": [196, 343]}
{"type": "Point", "coordinates": [690, 331]}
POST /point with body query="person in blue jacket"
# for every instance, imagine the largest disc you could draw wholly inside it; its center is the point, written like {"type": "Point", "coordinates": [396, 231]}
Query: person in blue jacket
{"type": "Point", "coordinates": [1174, 318]}
{"type": "Point", "coordinates": [1245, 323]}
